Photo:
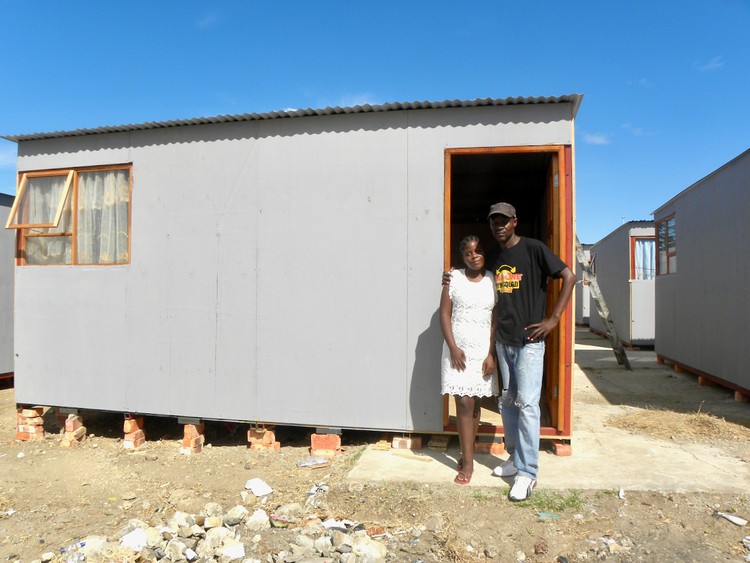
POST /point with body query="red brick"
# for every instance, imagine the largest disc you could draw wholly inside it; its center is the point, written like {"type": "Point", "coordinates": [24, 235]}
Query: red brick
{"type": "Point", "coordinates": [133, 444]}
{"type": "Point", "coordinates": [562, 448]}
{"type": "Point", "coordinates": [261, 435]}
{"type": "Point", "coordinates": [741, 397]}
{"type": "Point", "coordinates": [404, 443]}
{"type": "Point", "coordinates": [132, 423]}
{"type": "Point", "coordinates": [195, 441]}
{"type": "Point", "coordinates": [494, 448]}
{"type": "Point", "coordinates": [31, 428]}
{"type": "Point", "coordinates": [77, 434]}
{"type": "Point", "coordinates": [276, 446]}
{"type": "Point", "coordinates": [32, 412]}
{"type": "Point", "coordinates": [193, 430]}
{"type": "Point", "coordinates": [69, 443]}
{"type": "Point", "coordinates": [325, 442]}
{"type": "Point", "coordinates": [38, 420]}
{"type": "Point", "coordinates": [135, 436]}
{"type": "Point", "coordinates": [190, 451]}
{"type": "Point", "coordinates": [73, 423]}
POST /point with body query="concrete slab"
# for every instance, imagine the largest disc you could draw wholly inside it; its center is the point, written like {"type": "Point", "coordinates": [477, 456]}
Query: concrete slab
{"type": "Point", "coordinates": [603, 457]}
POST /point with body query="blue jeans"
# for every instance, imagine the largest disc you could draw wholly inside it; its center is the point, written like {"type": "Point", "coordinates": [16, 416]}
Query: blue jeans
{"type": "Point", "coordinates": [522, 369]}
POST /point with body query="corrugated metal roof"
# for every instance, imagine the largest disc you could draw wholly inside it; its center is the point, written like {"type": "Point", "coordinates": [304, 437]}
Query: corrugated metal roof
{"type": "Point", "coordinates": [574, 99]}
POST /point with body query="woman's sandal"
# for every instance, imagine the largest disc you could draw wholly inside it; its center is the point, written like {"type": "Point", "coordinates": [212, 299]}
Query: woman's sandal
{"type": "Point", "coordinates": [462, 478]}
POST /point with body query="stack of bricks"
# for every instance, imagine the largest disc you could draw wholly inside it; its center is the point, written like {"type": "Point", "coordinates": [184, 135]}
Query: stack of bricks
{"type": "Point", "coordinates": [75, 431]}
{"type": "Point", "coordinates": [325, 445]}
{"type": "Point", "coordinates": [409, 442]}
{"type": "Point", "coordinates": [261, 438]}
{"type": "Point", "coordinates": [489, 445]}
{"type": "Point", "coordinates": [134, 435]}
{"type": "Point", "coordinates": [193, 439]}
{"type": "Point", "coordinates": [30, 424]}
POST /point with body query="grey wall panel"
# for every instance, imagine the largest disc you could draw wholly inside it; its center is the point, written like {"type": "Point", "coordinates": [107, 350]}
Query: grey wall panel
{"type": "Point", "coordinates": [71, 344]}
{"type": "Point", "coordinates": [7, 261]}
{"type": "Point", "coordinates": [332, 267]}
{"type": "Point", "coordinates": [642, 309]}
{"type": "Point", "coordinates": [612, 266]}
{"type": "Point", "coordinates": [704, 305]}
{"type": "Point", "coordinates": [283, 271]}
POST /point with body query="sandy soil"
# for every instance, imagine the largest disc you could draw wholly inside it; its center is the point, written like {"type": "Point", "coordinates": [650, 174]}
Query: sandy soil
{"type": "Point", "coordinates": [51, 497]}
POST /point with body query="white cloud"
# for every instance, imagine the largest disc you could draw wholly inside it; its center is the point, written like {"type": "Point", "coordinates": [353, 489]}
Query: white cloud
{"type": "Point", "coordinates": [714, 64]}
{"type": "Point", "coordinates": [357, 100]}
{"type": "Point", "coordinates": [596, 139]}
{"type": "Point", "coordinates": [637, 131]}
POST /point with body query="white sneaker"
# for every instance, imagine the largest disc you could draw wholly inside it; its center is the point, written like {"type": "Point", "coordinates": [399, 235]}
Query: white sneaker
{"type": "Point", "coordinates": [522, 488]}
{"type": "Point", "coordinates": [505, 469]}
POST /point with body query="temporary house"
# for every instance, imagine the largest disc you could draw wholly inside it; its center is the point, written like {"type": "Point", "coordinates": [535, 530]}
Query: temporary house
{"type": "Point", "coordinates": [7, 254]}
{"type": "Point", "coordinates": [624, 264]}
{"type": "Point", "coordinates": [279, 267]}
{"type": "Point", "coordinates": [582, 293]}
{"type": "Point", "coordinates": [702, 319]}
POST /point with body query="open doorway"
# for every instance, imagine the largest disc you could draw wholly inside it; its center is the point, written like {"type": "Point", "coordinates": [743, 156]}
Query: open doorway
{"type": "Point", "coordinates": [535, 180]}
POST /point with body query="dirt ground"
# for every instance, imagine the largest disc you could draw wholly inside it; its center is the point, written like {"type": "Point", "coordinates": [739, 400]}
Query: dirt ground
{"type": "Point", "coordinates": [52, 497]}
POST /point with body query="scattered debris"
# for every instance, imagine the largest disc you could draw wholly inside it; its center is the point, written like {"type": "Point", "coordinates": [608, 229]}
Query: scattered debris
{"type": "Point", "coordinates": [258, 487]}
{"type": "Point", "coordinates": [314, 462]}
{"type": "Point", "coordinates": [621, 493]}
{"type": "Point", "coordinates": [733, 519]}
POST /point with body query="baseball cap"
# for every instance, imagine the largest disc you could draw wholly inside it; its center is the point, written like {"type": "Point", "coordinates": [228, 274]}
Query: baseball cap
{"type": "Point", "coordinates": [503, 209]}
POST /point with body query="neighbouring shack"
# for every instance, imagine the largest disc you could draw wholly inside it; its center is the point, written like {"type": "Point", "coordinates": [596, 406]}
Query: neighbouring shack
{"type": "Point", "coordinates": [702, 318]}
{"type": "Point", "coordinates": [624, 265]}
{"type": "Point", "coordinates": [277, 268]}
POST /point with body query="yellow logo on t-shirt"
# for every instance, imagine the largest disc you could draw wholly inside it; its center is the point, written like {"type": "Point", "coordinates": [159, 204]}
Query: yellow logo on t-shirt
{"type": "Point", "coordinates": [506, 279]}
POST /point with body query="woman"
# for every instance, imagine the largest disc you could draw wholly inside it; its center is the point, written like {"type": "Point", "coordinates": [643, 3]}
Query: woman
{"type": "Point", "coordinates": [468, 365]}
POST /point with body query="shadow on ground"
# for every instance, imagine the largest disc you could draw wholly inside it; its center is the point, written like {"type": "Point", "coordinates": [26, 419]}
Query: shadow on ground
{"type": "Point", "coordinates": [651, 385]}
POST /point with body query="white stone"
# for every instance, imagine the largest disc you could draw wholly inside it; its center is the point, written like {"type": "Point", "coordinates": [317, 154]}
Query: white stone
{"type": "Point", "coordinates": [238, 511]}
{"type": "Point", "coordinates": [233, 551]}
{"type": "Point", "coordinates": [135, 540]}
{"type": "Point", "coordinates": [363, 546]}
{"type": "Point", "coordinates": [94, 544]}
{"type": "Point", "coordinates": [258, 520]}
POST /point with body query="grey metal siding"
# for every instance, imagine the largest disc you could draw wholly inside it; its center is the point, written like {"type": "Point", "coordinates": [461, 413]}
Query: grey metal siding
{"type": "Point", "coordinates": [284, 271]}
{"type": "Point", "coordinates": [7, 260]}
{"type": "Point", "coordinates": [703, 310]}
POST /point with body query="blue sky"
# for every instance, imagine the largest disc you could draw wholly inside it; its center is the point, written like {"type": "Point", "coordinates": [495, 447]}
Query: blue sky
{"type": "Point", "coordinates": [666, 84]}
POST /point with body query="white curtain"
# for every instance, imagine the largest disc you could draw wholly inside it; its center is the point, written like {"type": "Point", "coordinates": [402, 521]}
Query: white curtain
{"type": "Point", "coordinates": [103, 203]}
{"type": "Point", "coordinates": [42, 198]}
{"type": "Point", "coordinates": [645, 261]}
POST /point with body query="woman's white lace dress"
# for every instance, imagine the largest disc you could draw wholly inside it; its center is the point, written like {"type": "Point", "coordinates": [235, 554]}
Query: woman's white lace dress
{"type": "Point", "coordinates": [471, 321]}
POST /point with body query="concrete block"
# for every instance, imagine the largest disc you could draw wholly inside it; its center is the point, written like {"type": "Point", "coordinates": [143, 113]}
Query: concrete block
{"type": "Point", "coordinates": [407, 443]}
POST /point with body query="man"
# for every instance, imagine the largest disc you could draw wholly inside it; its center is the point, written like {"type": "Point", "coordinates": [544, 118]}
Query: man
{"type": "Point", "coordinates": [521, 267]}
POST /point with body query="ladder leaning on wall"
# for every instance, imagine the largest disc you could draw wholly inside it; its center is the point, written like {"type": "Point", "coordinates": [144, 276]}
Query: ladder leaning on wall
{"type": "Point", "coordinates": [601, 306]}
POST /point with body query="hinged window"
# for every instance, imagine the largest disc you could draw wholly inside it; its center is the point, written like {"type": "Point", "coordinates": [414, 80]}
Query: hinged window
{"type": "Point", "coordinates": [666, 246]}
{"type": "Point", "coordinates": [79, 216]}
{"type": "Point", "coordinates": [40, 200]}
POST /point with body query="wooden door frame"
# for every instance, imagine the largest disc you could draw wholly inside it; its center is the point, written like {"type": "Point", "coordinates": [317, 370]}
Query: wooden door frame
{"type": "Point", "coordinates": [561, 219]}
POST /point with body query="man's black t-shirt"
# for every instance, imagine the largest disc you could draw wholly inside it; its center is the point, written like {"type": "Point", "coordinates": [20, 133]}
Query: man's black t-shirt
{"type": "Point", "coordinates": [521, 273]}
